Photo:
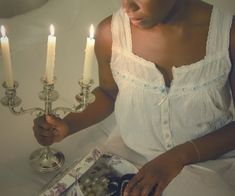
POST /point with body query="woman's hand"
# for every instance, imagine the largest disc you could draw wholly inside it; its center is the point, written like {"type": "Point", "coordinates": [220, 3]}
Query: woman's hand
{"type": "Point", "coordinates": [155, 175]}
{"type": "Point", "coordinates": [49, 129]}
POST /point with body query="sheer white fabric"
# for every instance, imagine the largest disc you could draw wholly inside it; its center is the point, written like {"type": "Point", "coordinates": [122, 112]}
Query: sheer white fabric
{"type": "Point", "coordinates": [153, 119]}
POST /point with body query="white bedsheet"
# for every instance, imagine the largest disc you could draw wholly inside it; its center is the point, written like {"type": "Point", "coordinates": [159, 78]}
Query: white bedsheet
{"type": "Point", "coordinates": [28, 37]}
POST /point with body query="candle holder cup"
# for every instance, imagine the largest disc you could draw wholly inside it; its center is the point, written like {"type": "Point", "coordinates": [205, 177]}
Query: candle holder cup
{"type": "Point", "coordinates": [10, 99]}
{"type": "Point", "coordinates": [47, 159]}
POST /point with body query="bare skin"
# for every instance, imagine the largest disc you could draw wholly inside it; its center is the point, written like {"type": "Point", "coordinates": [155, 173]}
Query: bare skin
{"type": "Point", "coordinates": [171, 30]}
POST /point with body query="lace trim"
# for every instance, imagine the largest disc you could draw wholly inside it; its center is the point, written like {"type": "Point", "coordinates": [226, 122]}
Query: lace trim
{"type": "Point", "coordinates": [219, 31]}
{"type": "Point", "coordinates": [138, 83]}
{"type": "Point", "coordinates": [120, 28]}
{"type": "Point", "coordinates": [229, 19]}
{"type": "Point", "coordinates": [211, 32]}
{"type": "Point", "coordinates": [199, 64]}
{"type": "Point", "coordinates": [161, 88]}
{"type": "Point", "coordinates": [216, 82]}
{"type": "Point", "coordinates": [114, 28]}
{"type": "Point", "coordinates": [128, 31]}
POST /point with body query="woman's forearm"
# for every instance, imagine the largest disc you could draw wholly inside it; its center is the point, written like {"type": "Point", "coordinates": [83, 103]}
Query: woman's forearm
{"type": "Point", "coordinates": [208, 147]}
{"type": "Point", "coordinates": [94, 113]}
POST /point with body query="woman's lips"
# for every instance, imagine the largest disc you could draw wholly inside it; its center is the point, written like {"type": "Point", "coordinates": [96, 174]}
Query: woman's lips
{"type": "Point", "coordinates": [136, 21]}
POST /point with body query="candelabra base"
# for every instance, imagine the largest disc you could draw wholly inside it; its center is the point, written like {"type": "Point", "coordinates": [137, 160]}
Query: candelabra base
{"type": "Point", "coordinates": [46, 160]}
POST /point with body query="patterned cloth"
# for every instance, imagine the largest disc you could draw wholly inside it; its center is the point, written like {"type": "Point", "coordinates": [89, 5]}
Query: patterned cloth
{"type": "Point", "coordinates": [117, 185]}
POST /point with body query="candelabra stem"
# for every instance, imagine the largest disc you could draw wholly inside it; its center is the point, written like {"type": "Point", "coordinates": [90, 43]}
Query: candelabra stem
{"type": "Point", "coordinates": [47, 159]}
{"type": "Point", "coordinates": [48, 108]}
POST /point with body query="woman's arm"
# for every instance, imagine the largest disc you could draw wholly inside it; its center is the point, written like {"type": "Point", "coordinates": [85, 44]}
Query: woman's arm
{"type": "Point", "coordinates": [106, 91]}
{"type": "Point", "coordinates": [222, 140]}
{"type": "Point", "coordinates": [103, 105]}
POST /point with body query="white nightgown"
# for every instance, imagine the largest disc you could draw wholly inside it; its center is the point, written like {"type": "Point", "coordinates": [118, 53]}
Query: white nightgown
{"type": "Point", "coordinates": [152, 119]}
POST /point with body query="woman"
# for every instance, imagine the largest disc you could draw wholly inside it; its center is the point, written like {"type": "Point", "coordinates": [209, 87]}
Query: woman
{"type": "Point", "coordinates": [168, 68]}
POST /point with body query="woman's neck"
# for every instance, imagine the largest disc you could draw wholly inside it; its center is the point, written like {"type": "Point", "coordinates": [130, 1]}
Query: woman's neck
{"type": "Point", "coordinates": [180, 12]}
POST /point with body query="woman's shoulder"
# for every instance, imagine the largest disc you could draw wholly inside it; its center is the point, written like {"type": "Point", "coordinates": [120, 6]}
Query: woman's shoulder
{"type": "Point", "coordinates": [104, 27]}
{"type": "Point", "coordinates": [103, 43]}
{"type": "Point", "coordinates": [103, 33]}
{"type": "Point", "coordinates": [200, 12]}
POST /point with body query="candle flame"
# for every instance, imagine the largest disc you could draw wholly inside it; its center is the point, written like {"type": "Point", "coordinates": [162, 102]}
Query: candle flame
{"type": "Point", "coordinates": [52, 29]}
{"type": "Point", "coordinates": [3, 31]}
{"type": "Point", "coordinates": [92, 31]}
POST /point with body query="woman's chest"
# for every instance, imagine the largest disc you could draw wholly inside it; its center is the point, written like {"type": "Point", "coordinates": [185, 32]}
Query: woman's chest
{"type": "Point", "coordinates": [171, 48]}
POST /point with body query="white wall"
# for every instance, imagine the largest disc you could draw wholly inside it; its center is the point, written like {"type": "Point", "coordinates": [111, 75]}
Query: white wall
{"type": "Point", "coordinates": [225, 4]}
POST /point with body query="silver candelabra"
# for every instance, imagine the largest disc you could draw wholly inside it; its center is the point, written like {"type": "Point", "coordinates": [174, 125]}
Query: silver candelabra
{"type": "Point", "coordinates": [47, 159]}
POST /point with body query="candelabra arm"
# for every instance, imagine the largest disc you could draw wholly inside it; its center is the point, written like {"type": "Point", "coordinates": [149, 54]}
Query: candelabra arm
{"type": "Point", "coordinates": [80, 108]}
{"type": "Point", "coordinates": [22, 111]}
{"type": "Point", "coordinates": [63, 110]}
{"type": "Point", "coordinates": [84, 98]}
{"type": "Point", "coordinates": [11, 100]}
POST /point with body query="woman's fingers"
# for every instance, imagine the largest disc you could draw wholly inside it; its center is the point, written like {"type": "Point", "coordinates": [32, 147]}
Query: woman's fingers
{"type": "Point", "coordinates": [144, 188]}
{"type": "Point", "coordinates": [141, 185]}
{"type": "Point", "coordinates": [160, 187]}
{"type": "Point", "coordinates": [49, 129]}
{"type": "Point", "coordinates": [58, 137]}
{"type": "Point", "coordinates": [155, 175]}
{"type": "Point", "coordinates": [133, 182]}
{"type": "Point", "coordinates": [43, 139]}
{"type": "Point", "coordinates": [144, 185]}
{"type": "Point", "coordinates": [61, 129]}
{"type": "Point", "coordinates": [43, 132]}
{"type": "Point", "coordinates": [42, 123]}
{"type": "Point", "coordinates": [54, 121]}
{"type": "Point", "coordinates": [149, 187]}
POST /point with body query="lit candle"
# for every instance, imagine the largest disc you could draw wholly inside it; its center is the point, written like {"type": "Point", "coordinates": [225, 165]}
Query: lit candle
{"type": "Point", "coordinates": [89, 56]}
{"type": "Point", "coordinates": [50, 63]}
{"type": "Point", "coordinates": [6, 59]}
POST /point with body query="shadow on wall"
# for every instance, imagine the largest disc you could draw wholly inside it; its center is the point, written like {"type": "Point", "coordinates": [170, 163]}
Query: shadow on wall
{"type": "Point", "coordinates": [10, 8]}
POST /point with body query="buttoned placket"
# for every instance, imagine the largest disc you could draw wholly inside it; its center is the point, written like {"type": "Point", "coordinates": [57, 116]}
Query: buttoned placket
{"type": "Point", "coordinates": [165, 122]}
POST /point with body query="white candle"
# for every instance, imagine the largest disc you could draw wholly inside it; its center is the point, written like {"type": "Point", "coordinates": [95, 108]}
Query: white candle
{"type": "Point", "coordinates": [50, 63]}
{"type": "Point", "coordinates": [6, 59]}
{"type": "Point", "coordinates": [89, 56]}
